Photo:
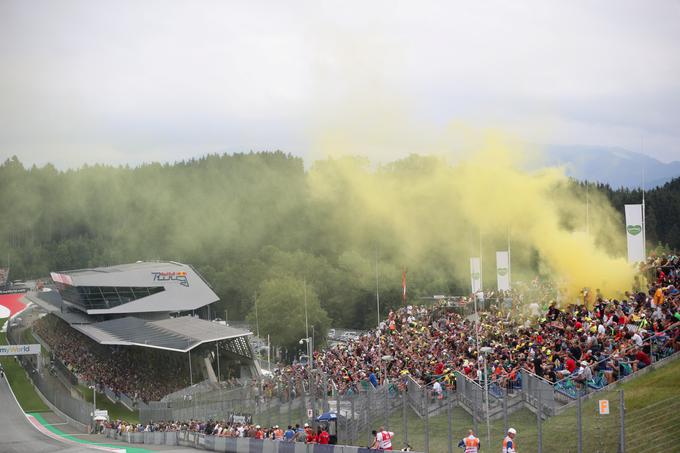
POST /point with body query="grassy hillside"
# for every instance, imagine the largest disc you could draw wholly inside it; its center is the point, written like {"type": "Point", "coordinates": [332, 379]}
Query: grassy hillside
{"type": "Point", "coordinates": [21, 384]}
{"type": "Point", "coordinates": [652, 406]}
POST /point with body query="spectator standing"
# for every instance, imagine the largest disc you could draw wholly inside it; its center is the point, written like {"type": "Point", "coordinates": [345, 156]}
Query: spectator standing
{"type": "Point", "coordinates": [324, 437]}
{"type": "Point", "coordinates": [289, 434]}
{"type": "Point", "coordinates": [310, 435]}
{"type": "Point", "coordinates": [374, 444]}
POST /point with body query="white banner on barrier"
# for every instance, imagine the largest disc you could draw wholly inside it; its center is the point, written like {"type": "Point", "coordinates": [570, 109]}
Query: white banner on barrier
{"type": "Point", "coordinates": [635, 233]}
{"type": "Point", "coordinates": [503, 270]}
{"type": "Point", "coordinates": [476, 275]}
{"type": "Point", "coordinates": [19, 349]}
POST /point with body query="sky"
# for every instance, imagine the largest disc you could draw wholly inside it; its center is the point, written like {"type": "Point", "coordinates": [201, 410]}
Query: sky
{"type": "Point", "coordinates": [127, 82]}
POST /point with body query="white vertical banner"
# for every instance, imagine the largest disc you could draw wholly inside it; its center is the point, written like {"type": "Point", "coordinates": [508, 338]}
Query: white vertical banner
{"type": "Point", "coordinates": [476, 275]}
{"type": "Point", "coordinates": [503, 270]}
{"type": "Point", "coordinates": [635, 233]}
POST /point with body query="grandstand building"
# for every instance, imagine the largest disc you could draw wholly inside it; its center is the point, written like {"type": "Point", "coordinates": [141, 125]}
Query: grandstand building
{"type": "Point", "coordinates": [150, 305]}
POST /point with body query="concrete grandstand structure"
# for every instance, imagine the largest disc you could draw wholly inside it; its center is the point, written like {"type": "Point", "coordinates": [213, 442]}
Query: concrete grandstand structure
{"type": "Point", "coordinates": [151, 305]}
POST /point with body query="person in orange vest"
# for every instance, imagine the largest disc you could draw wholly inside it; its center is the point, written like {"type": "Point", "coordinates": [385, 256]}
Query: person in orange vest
{"type": "Point", "coordinates": [259, 434]}
{"type": "Point", "coordinates": [324, 437]}
{"type": "Point", "coordinates": [470, 443]}
{"type": "Point", "coordinates": [278, 433]}
{"type": "Point", "coordinates": [509, 442]}
{"type": "Point", "coordinates": [384, 438]}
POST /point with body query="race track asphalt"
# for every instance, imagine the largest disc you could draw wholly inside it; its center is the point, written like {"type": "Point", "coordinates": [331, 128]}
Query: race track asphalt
{"type": "Point", "coordinates": [17, 435]}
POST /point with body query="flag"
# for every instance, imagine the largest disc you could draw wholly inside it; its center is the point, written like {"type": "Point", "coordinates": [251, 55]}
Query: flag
{"type": "Point", "coordinates": [635, 233]}
{"type": "Point", "coordinates": [503, 270]}
{"type": "Point", "coordinates": [476, 274]}
{"type": "Point", "coordinates": [403, 286]}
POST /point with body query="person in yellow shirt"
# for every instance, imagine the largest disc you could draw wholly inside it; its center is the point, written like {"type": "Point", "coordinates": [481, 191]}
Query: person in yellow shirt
{"type": "Point", "coordinates": [658, 296]}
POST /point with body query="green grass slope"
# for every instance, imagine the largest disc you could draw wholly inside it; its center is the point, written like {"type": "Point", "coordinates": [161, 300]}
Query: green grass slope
{"type": "Point", "coordinates": [21, 384]}
{"type": "Point", "coordinates": [652, 421]}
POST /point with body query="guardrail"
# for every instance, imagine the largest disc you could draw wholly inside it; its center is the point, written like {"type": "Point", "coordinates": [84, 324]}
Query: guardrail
{"type": "Point", "coordinates": [227, 444]}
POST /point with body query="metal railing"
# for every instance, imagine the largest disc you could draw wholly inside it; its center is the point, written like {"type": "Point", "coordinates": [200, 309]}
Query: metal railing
{"type": "Point", "coordinates": [567, 387]}
{"type": "Point", "coordinates": [219, 443]}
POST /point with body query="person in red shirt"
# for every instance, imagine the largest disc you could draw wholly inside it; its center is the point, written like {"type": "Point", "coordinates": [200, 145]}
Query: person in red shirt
{"type": "Point", "coordinates": [324, 437]}
{"type": "Point", "coordinates": [259, 434]}
{"type": "Point", "coordinates": [311, 435]}
{"type": "Point", "coordinates": [643, 359]}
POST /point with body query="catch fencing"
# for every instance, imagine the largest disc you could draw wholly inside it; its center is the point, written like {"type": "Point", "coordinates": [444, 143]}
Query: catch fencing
{"type": "Point", "coordinates": [425, 419]}
{"type": "Point", "coordinates": [50, 387]}
{"type": "Point", "coordinates": [227, 444]}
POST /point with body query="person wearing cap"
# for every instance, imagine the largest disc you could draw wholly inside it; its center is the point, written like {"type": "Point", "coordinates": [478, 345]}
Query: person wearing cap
{"type": "Point", "coordinates": [259, 434]}
{"type": "Point", "coordinates": [311, 435]}
{"type": "Point", "coordinates": [471, 443]}
{"type": "Point", "coordinates": [584, 373]}
{"type": "Point", "coordinates": [509, 441]}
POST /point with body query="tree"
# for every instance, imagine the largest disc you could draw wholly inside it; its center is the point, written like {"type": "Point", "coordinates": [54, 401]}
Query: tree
{"type": "Point", "coordinates": [280, 312]}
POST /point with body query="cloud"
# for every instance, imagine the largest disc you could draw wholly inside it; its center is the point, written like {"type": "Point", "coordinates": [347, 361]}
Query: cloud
{"type": "Point", "coordinates": [131, 81]}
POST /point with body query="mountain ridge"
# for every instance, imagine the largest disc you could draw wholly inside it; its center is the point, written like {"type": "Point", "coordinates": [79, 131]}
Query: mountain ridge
{"type": "Point", "coordinates": [615, 166]}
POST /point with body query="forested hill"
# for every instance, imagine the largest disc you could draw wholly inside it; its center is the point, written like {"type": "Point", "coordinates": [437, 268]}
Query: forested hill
{"type": "Point", "coordinates": [662, 210]}
{"type": "Point", "coordinates": [246, 221]}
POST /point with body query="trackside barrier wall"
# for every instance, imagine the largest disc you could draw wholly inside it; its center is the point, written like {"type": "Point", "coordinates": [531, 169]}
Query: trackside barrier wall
{"type": "Point", "coordinates": [228, 444]}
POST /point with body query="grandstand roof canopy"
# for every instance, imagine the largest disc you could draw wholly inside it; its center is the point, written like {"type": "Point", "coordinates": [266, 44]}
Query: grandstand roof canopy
{"type": "Point", "coordinates": [141, 287]}
{"type": "Point", "coordinates": [174, 334]}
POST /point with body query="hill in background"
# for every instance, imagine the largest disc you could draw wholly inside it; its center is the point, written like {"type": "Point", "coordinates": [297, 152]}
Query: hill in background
{"type": "Point", "coordinates": [616, 167]}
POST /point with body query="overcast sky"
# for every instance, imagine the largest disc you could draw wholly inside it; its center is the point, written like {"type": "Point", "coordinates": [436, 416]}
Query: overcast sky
{"type": "Point", "coordinates": [138, 81]}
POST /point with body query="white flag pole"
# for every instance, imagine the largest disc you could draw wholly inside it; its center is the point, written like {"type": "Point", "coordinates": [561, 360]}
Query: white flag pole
{"type": "Point", "coordinates": [481, 264]}
{"type": "Point", "coordinates": [587, 211]}
{"type": "Point", "coordinates": [509, 260]}
{"type": "Point", "coordinates": [644, 228]}
{"type": "Point", "coordinates": [377, 285]}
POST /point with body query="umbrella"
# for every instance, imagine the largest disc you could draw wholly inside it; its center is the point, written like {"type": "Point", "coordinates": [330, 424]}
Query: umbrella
{"type": "Point", "coordinates": [327, 416]}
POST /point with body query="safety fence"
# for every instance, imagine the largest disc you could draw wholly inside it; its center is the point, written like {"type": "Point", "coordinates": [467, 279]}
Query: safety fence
{"type": "Point", "coordinates": [430, 420]}
{"type": "Point", "coordinates": [49, 386]}
{"type": "Point", "coordinates": [617, 367]}
{"type": "Point", "coordinates": [55, 393]}
{"type": "Point", "coordinates": [227, 444]}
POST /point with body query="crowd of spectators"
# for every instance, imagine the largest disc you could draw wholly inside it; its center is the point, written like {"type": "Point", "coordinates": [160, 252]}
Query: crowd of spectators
{"type": "Point", "coordinates": [527, 328]}
{"type": "Point", "coordinates": [600, 337]}
{"type": "Point", "coordinates": [137, 372]}
{"type": "Point", "coordinates": [227, 428]}
{"type": "Point", "coordinates": [4, 275]}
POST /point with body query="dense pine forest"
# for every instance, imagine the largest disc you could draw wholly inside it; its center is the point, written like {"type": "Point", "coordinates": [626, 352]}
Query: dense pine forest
{"type": "Point", "coordinates": [245, 221]}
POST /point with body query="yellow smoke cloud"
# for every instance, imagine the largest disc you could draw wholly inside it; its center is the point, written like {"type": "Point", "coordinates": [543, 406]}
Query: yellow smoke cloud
{"type": "Point", "coordinates": [421, 205]}
{"type": "Point", "coordinates": [432, 207]}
